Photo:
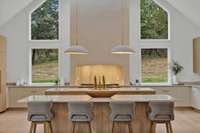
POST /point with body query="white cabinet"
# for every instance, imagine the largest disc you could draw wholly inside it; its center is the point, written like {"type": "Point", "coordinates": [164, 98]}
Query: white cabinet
{"type": "Point", "coordinates": [195, 100]}
{"type": "Point", "coordinates": [182, 94]}
{"type": "Point", "coordinates": [17, 93]}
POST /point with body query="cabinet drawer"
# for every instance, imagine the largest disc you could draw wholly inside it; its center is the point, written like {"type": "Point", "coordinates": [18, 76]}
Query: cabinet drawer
{"type": "Point", "coordinates": [166, 91]}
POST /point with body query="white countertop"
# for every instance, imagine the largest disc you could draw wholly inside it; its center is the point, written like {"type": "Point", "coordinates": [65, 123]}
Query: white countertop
{"type": "Point", "coordinates": [87, 98]}
{"type": "Point", "coordinates": [59, 99]}
{"type": "Point", "coordinates": [142, 98]}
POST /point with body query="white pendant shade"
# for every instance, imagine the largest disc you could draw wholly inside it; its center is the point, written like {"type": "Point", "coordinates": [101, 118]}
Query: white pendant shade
{"type": "Point", "coordinates": [122, 49]}
{"type": "Point", "coordinates": [76, 49]}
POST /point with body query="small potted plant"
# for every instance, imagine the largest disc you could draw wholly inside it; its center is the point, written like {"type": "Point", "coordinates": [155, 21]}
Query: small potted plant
{"type": "Point", "coordinates": [176, 69]}
{"type": "Point", "coordinates": [57, 82]}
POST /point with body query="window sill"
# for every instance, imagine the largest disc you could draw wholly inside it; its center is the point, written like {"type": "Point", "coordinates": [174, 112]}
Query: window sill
{"type": "Point", "coordinates": [44, 41]}
{"type": "Point", "coordinates": [155, 40]}
{"type": "Point", "coordinates": [42, 84]}
{"type": "Point", "coordinates": [156, 84]}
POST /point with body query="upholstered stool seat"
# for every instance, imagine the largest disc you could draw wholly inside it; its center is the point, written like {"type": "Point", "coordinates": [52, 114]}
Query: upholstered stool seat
{"type": "Point", "coordinates": [39, 118]}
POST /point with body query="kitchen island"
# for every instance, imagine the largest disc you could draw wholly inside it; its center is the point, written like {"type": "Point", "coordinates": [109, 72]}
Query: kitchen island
{"type": "Point", "coordinates": [101, 92]}
{"type": "Point", "coordinates": [101, 122]}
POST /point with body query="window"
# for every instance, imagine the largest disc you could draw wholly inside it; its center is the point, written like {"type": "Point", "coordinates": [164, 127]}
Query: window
{"type": "Point", "coordinates": [154, 21]}
{"type": "Point", "coordinates": [44, 65]}
{"type": "Point", "coordinates": [45, 21]}
{"type": "Point", "coordinates": [154, 65]}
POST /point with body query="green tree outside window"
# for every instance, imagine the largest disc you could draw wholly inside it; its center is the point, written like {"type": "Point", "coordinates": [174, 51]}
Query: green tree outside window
{"type": "Point", "coordinates": [154, 21]}
{"type": "Point", "coordinates": [45, 22]}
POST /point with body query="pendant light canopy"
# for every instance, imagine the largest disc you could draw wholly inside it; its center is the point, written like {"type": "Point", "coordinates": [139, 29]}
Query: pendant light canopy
{"type": "Point", "coordinates": [76, 49]}
{"type": "Point", "coordinates": [122, 48]}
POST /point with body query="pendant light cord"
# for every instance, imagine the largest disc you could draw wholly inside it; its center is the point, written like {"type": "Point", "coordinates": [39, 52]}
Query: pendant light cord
{"type": "Point", "coordinates": [77, 22]}
{"type": "Point", "coordinates": [122, 21]}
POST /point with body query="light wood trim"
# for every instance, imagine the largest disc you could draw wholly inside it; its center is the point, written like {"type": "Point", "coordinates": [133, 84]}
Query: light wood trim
{"type": "Point", "coordinates": [196, 55]}
{"type": "Point", "coordinates": [0, 81]}
{"type": "Point", "coordinates": [2, 73]}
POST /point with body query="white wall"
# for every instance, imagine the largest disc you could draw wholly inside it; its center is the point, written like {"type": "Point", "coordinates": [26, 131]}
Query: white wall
{"type": "Point", "coordinates": [97, 35]}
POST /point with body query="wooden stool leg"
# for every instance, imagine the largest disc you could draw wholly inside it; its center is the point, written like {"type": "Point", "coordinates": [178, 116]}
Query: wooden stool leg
{"type": "Point", "coordinates": [151, 127]}
{"type": "Point", "coordinates": [170, 127]}
{"type": "Point", "coordinates": [45, 127]}
{"type": "Point", "coordinates": [50, 127]}
{"type": "Point", "coordinates": [74, 126]}
{"type": "Point", "coordinates": [130, 127]}
{"type": "Point", "coordinates": [31, 129]}
{"type": "Point", "coordinates": [34, 127]}
{"type": "Point", "coordinates": [167, 127]}
{"type": "Point", "coordinates": [113, 126]}
{"type": "Point", "coordinates": [90, 127]}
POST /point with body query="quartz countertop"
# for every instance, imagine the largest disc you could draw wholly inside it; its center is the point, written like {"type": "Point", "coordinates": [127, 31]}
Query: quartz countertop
{"type": "Point", "coordinates": [60, 99]}
{"type": "Point", "coordinates": [75, 86]}
{"type": "Point", "coordinates": [87, 98]}
{"type": "Point", "coordinates": [99, 90]}
{"type": "Point", "coordinates": [142, 98]}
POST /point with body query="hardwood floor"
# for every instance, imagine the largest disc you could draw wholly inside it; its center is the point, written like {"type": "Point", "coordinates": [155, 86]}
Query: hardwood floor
{"type": "Point", "coordinates": [15, 121]}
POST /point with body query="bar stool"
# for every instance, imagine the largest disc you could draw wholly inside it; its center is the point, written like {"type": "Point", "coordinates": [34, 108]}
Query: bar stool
{"type": "Point", "coordinates": [40, 113]}
{"type": "Point", "coordinates": [80, 112]}
{"type": "Point", "coordinates": [161, 112]}
{"type": "Point", "coordinates": [122, 112]}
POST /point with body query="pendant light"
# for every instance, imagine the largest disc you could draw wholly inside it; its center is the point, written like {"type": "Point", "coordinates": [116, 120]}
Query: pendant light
{"type": "Point", "coordinates": [122, 48]}
{"type": "Point", "coordinates": [76, 49]}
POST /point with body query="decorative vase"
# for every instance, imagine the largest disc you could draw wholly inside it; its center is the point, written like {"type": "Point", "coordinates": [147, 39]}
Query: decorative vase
{"type": "Point", "coordinates": [174, 80]}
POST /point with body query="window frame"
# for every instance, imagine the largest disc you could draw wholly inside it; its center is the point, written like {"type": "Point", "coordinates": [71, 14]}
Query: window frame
{"type": "Point", "coordinates": [30, 24]}
{"type": "Point", "coordinates": [30, 66]}
{"type": "Point", "coordinates": [168, 70]}
{"type": "Point", "coordinates": [169, 25]}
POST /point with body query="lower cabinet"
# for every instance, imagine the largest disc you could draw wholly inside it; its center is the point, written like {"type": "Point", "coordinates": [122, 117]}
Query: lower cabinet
{"type": "Point", "coordinates": [195, 97]}
{"type": "Point", "coordinates": [182, 94]}
{"type": "Point", "coordinates": [16, 94]}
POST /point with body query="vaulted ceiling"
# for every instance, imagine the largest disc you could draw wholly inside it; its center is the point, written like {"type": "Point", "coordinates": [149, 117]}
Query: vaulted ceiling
{"type": "Point", "coordinates": [189, 8]}
{"type": "Point", "coordinates": [9, 8]}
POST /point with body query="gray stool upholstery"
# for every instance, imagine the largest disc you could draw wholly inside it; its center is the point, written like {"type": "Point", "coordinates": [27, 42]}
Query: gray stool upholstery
{"type": "Point", "coordinates": [161, 112]}
{"type": "Point", "coordinates": [122, 112]}
{"type": "Point", "coordinates": [80, 112]}
{"type": "Point", "coordinates": [40, 113]}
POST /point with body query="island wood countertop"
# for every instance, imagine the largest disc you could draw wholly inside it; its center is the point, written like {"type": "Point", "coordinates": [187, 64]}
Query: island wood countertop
{"type": "Point", "coordinates": [101, 93]}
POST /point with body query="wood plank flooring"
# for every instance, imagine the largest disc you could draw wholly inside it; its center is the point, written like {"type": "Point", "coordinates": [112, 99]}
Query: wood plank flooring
{"type": "Point", "coordinates": [15, 121]}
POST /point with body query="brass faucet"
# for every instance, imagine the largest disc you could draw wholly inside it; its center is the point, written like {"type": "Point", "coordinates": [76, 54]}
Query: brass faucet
{"type": "Point", "coordinates": [100, 84]}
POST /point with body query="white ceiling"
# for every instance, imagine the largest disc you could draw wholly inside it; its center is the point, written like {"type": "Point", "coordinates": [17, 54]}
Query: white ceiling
{"type": "Point", "coordinates": [9, 8]}
{"type": "Point", "coordinates": [189, 8]}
